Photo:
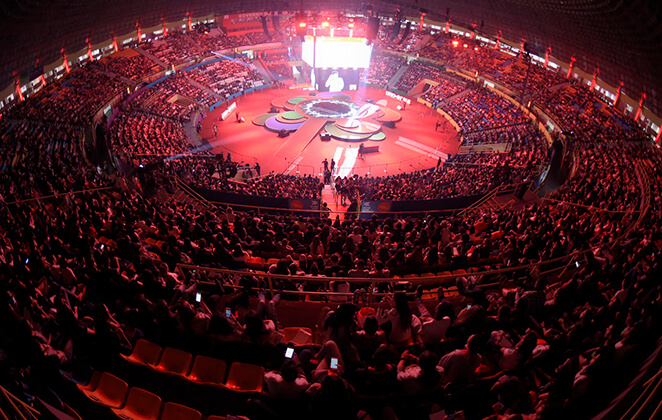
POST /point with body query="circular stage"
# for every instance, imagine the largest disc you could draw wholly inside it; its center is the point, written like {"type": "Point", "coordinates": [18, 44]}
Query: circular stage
{"type": "Point", "coordinates": [328, 108]}
{"type": "Point", "coordinates": [345, 116]}
{"type": "Point", "coordinates": [262, 119]}
{"type": "Point", "coordinates": [272, 124]}
{"type": "Point", "coordinates": [341, 134]}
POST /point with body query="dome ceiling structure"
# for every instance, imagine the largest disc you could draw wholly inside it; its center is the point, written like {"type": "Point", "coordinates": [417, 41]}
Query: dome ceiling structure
{"type": "Point", "coordinates": [623, 39]}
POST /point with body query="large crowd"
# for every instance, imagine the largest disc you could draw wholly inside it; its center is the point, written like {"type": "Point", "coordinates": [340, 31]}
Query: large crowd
{"type": "Point", "coordinates": [444, 90]}
{"type": "Point", "coordinates": [382, 69]}
{"type": "Point", "coordinates": [417, 71]}
{"type": "Point", "coordinates": [137, 133]}
{"type": "Point", "coordinates": [481, 109]}
{"type": "Point", "coordinates": [129, 64]}
{"type": "Point", "coordinates": [86, 275]}
{"type": "Point", "coordinates": [519, 73]}
{"type": "Point", "coordinates": [175, 49]}
{"type": "Point", "coordinates": [175, 97]}
{"type": "Point", "coordinates": [72, 100]}
{"type": "Point", "coordinates": [227, 77]}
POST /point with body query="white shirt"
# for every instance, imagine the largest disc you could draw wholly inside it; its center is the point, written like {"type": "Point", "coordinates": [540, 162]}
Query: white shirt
{"type": "Point", "coordinates": [278, 388]}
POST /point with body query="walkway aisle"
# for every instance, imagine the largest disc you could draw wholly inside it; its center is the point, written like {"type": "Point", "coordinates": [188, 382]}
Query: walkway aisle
{"type": "Point", "coordinates": [329, 197]}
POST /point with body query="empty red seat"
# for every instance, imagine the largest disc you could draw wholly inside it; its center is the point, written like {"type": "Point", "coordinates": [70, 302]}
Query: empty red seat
{"type": "Point", "coordinates": [208, 370]}
{"type": "Point", "coordinates": [145, 352]}
{"type": "Point", "coordinates": [245, 377]}
{"type": "Point", "coordinates": [140, 405]}
{"type": "Point", "coordinates": [175, 361]}
{"type": "Point", "coordinates": [111, 391]}
{"type": "Point", "coordinates": [172, 411]}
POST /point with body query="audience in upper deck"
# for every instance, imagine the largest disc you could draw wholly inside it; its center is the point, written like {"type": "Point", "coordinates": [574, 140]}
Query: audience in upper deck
{"type": "Point", "coordinates": [88, 271]}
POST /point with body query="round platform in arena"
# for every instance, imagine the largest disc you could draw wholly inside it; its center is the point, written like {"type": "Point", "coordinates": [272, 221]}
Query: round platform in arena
{"type": "Point", "coordinates": [363, 127]}
{"type": "Point", "coordinates": [294, 101]}
{"type": "Point", "coordinates": [273, 124]}
{"type": "Point", "coordinates": [378, 137]}
{"type": "Point", "coordinates": [341, 134]}
{"type": "Point", "coordinates": [348, 123]}
{"type": "Point", "coordinates": [389, 116]}
{"type": "Point", "coordinates": [284, 120]}
{"type": "Point", "coordinates": [328, 108]}
{"type": "Point", "coordinates": [291, 115]}
{"type": "Point", "coordinates": [279, 102]}
{"type": "Point", "coordinates": [354, 97]}
{"type": "Point", "coordinates": [262, 119]}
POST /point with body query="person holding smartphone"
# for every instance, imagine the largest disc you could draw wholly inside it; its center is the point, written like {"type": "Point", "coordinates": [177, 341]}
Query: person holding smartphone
{"type": "Point", "coordinates": [290, 382]}
{"type": "Point", "coordinates": [330, 361]}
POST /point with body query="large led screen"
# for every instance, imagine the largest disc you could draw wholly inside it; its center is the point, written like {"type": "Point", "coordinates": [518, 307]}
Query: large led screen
{"type": "Point", "coordinates": [337, 52]}
{"type": "Point", "coordinates": [336, 80]}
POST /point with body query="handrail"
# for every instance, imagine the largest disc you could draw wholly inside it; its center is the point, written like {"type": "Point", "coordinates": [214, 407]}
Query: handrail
{"type": "Point", "coordinates": [17, 404]}
{"type": "Point", "coordinates": [490, 195]}
{"type": "Point", "coordinates": [191, 192]}
{"type": "Point", "coordinates": [394, 279]}
{"type": "Point", "coordinates": [441, 280]}
{"type": "Point", "coordinates": [480, 202]}
{"type": "Point", "coordinates": [358, 213]}
{"type": "Point", "coordinates": [60, 195]}
{"type": "Point", "coordinates": [592, 208]}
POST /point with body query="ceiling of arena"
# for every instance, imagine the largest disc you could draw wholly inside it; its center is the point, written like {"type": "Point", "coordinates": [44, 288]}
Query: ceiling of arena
{"type": "Point", "coordinates": [621, 38]}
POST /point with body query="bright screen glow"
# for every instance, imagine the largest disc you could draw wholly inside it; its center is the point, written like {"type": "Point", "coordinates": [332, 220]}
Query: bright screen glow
{"type": "Point", "coordinates": [337, 52]}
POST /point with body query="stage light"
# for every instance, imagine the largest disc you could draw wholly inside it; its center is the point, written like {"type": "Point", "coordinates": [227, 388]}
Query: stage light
{"type": "Point", "coordinates": [350, 25]}
{"type": "Point", "coordinates": [455, 43]}
{"type": "Point", "coordinates": [302, 24]}
{"type": "Point", "coordinates": [475, 48]}
{"type": "Point", "coordinates": [465, 45]}
{"type": "Point", "coordinates": [325, 24]}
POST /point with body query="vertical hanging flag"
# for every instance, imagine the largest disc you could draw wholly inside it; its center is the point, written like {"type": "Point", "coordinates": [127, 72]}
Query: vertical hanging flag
{"type": "Point", "coordinates": [618, 94]}
{"type": "Point", "coordinates": [572, 64]}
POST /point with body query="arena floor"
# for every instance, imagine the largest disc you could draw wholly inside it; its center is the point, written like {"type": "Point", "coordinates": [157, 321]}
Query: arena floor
{"type": "Point", "coordinates": [408, 147]}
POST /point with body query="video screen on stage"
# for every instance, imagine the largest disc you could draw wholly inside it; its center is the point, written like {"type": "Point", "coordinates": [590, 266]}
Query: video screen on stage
{"type": "Point", "coordinates": [337, 52]}
{"type": "Point", "coordinates": [336, 80]}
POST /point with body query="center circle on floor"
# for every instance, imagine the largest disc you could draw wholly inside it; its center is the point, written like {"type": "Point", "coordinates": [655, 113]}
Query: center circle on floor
{"type": "Point", "coordinates": [328, 108]}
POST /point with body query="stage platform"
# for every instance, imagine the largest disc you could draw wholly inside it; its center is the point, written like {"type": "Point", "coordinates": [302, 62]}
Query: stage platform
{"type": "Point", "coordinates": [413, 144]}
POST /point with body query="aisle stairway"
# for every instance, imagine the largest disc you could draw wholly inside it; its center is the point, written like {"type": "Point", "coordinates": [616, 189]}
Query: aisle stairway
{"type": "Point", "coordinates": [204, 88]}
{"type": "Point", "coordinates": [333, 201]}
{"type": "Point", "coordinates": [396, 76]}
{"type": "Point", "coordinates": [152, 57]}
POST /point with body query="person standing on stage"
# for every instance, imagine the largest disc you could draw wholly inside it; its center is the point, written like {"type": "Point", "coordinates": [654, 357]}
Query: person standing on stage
{"type": "Point", "coordinates": [326, 164]}
{"type": "Point", "coordinates": [361, 151]}
{"type": "Point", "coordinates": [257, 168]}
{"type": "Point", "coordinates": [437, 125]}
{"type": "Point", "coordinates": [333, 165]}
{"type": "Point", "coordinates": [215, 131]}
{"type": "Point", "coordinates": [439, 163]}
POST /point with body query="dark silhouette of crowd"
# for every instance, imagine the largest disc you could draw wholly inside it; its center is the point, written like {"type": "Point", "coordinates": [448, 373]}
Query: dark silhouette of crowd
{"type": "Point", "coordinates": [91, 262]}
